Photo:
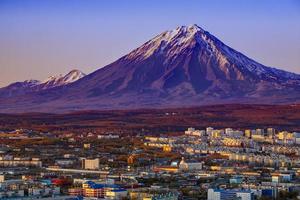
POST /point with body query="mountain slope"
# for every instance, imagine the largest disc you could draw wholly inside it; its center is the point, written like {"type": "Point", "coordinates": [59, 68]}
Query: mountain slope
{"type": "Point", "coordinates": [183, 67]}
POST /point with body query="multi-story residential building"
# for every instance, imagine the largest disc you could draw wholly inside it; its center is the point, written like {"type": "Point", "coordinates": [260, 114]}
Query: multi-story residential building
{"type": "Point", "coordinates": [248, 133]}
{"type": "Point", "coordinates": [284, 135]}
{"type": "Point", "coordinates": [297, 137]}
{"type": "Point", "coordinates": [194, 132]}
{"type": "Point", "coordinates": [218, 194]}
{"type": "Point", "coordinates": [90, 164]}
{"type": "Point", "coordinates": [271, 131]}
{"type": "Point", "coordinates": [35, 162]}
{"type": "Point", "coordinates": [189, 165]}
{"type": "Point", "coordinates": [97, 190]}
{"type": "Point", "coordinates": [259, 131]}
{"type": "Point", "coordinates": [209, 130]}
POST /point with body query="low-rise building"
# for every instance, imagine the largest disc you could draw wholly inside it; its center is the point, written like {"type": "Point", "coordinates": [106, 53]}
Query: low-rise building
{"type": "Point", "coordinates": [153, 194]}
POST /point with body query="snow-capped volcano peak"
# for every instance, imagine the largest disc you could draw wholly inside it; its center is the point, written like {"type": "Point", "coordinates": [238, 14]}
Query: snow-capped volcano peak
{"type": "Point", "coordinates": [223, 61]}
{"type": "Point", "coordinates": [170, 43]}
{"type": "Point", "coordinates": [191, 29]}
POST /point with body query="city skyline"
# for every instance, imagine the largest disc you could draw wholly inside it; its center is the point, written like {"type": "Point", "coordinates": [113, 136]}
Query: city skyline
{"type": "Point", "coordinates": [53, 37]}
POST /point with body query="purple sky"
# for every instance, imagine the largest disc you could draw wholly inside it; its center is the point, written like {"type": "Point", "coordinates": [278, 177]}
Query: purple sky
{"type": "Point", "coordinates": [43, 38]}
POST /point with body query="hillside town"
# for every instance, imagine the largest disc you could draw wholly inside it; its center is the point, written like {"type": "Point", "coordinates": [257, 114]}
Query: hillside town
{"type": "Point", "coordinates": [206, 163]}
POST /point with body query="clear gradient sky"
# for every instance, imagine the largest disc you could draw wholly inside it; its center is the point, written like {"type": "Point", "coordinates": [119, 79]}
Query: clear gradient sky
{"type": "Point", "coordinates": [39, 38]}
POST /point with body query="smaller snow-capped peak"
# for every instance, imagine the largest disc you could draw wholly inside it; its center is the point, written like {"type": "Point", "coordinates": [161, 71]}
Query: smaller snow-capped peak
{"type": "Point", "coordinates": [29, 86]}
{"type": "Point", "coordinates": [73, 76]}
{"type": "Point", "coordinates": [32, 83]}
{"type": "Point", "coordinates": [25, 84]}
{"type": "Point", "coordinates": [55, 81]}
{"type": "Point", "coordinates": [52, 78]}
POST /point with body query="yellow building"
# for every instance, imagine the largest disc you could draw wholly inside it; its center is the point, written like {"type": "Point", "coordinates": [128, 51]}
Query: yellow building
{"type": "Point", "coordinates": [215, 168]}
{"type": "Point", "coordinates": [284, 135]}
{"type": "Point", "coordinates": [167, 148]}
{"type": "Point", "coordinates": [166, 169]}
{"type": "Point", "coordinates": [116, 194]}
{"type": "Point", "coordinates": [232, 142]}
{"type": "Point", "coordinates": [257, 137]}
{"type": "Point", "coordinates": [248, 133]}
{"type": "Point", "coordinates": [216, 133]}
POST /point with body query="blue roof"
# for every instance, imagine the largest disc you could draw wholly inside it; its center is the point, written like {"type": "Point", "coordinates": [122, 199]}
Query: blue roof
{"type": "Point", "coordinates": [119, 190]}
{"type": "Point", "coordinates": [112, 186]}
{"type": "Point", "coordinates": [233, 190]}
{"type": "Point", "coordinates": [94, 185]}
{"type": "Point", "coordinates": [97, 186]}
{"type": "Point", "coordinates": [75, 198]}
{"type": "Point", "coordinates": [89, 182]}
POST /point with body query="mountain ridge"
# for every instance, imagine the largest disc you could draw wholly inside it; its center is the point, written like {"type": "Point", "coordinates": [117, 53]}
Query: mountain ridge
{"type": "Point", "coordinates": [186, 66]}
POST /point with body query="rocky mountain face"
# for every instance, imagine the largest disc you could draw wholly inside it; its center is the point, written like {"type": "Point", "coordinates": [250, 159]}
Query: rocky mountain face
{"type": "Point", "coordinates": [183, 67]}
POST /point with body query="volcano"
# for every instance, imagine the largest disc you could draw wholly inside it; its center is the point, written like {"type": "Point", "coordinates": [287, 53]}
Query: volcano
{"type": "Point", "coordinates": [183, 67]}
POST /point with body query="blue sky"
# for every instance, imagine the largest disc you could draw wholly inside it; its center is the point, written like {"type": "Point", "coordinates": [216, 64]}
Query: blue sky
{"type": "Point", "coordinates": [43, 38]}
